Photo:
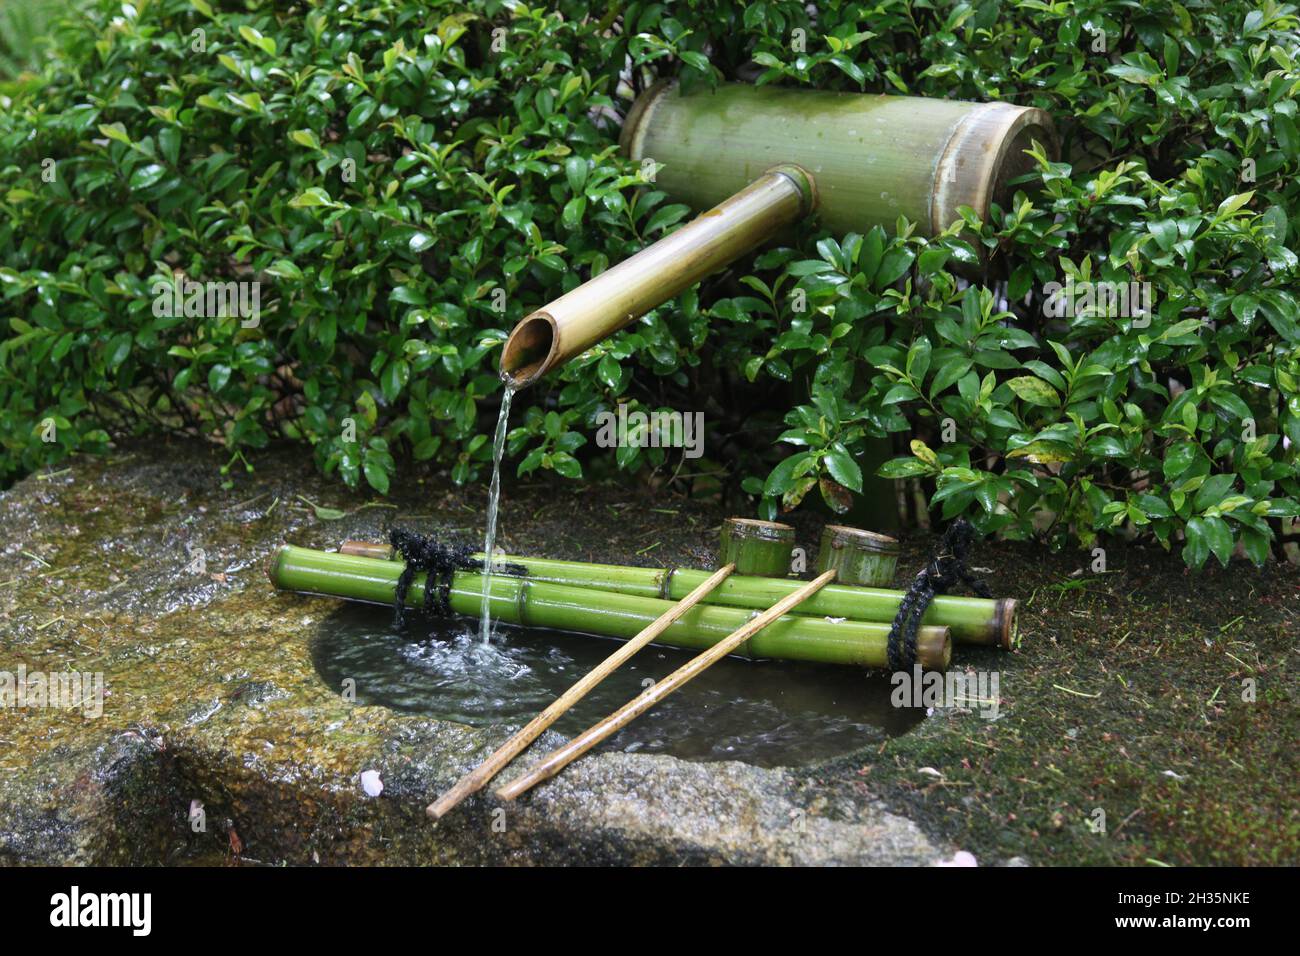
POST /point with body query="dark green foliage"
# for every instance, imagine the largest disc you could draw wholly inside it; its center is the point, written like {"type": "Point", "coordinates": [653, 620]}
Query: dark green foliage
{"type": "Point", "coordinates": [487, 182]}
{"type": "Point", "coordinates": [23, 28]}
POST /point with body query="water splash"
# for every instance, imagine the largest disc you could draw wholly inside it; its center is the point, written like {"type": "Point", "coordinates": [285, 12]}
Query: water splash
{"type": "Point", "coordinates": [494, 498]}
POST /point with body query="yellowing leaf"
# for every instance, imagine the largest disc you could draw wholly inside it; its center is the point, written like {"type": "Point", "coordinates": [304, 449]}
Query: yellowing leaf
{"type": "Point", "coordinates": [1034, 391]}
{"type": "Point", "coordinates": [923, 451]}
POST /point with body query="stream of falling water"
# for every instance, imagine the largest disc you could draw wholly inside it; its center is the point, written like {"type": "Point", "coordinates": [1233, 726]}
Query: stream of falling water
{"type": "Point", "coordinates": [494, 498]}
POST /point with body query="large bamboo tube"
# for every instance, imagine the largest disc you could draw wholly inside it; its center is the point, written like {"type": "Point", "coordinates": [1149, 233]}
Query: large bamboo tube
{"type": "Point", "coordinates": [535, 603]}
{"type": "Point", "coordinates": [873, 158]}
{"type": "Point", "coordinates": [973, 620]}
{"type": "Point", "coordinates": [760, 207]}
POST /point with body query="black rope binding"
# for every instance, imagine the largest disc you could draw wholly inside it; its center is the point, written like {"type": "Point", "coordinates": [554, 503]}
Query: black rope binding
{"type": "Point", "coordinates": [439, 562]}
{"type": "Point", "coordinates": [947, 566]}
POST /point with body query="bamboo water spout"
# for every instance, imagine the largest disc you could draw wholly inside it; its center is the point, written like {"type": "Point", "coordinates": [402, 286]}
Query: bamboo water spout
{"type": "Point", "coordinates": [858, 160]}
{"type": "Point", "coordinates": [601, 306]}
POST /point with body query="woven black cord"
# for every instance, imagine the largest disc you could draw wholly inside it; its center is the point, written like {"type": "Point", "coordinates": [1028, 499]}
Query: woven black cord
{"type": "Point", "coordinates": [439, 562]}
{"type": "Point", "coordinates": [946, 567]}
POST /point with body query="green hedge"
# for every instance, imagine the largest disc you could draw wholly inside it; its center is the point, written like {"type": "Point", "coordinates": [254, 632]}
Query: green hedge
{"type": "Point", "coordinates": [406, 181]}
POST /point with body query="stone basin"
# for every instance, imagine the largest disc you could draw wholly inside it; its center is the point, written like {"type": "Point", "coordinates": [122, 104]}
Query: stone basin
{"type": "Point", "coordinates": [1161, 698]}
{"type": "Point", "coordinates": [211, 694]}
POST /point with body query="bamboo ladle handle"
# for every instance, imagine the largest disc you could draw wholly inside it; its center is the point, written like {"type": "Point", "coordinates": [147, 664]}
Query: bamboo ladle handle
{"type": "Point", "coordinates": [478, 778]}
{"type": "Point", "coordinates": [557, 760]}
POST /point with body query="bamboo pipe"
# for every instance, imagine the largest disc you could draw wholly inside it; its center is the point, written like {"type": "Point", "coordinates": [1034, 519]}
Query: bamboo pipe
{"type": "Point", "coordinates": [973, 620]}
{"type": "Point", "coordinates": [756, 547]}
{"type": "Point", "coordinates": [478, 778]}
{"type": "Point", "coordinates": [618, 296]}
{"type": "Point", "coordinates": [556, 761]}
{"type": "Point", "coordinates": [534, 603]}
{"type": "Point", "coordinates": [874, 157]}
{"type": "Point", "coordinates": [861, 557]}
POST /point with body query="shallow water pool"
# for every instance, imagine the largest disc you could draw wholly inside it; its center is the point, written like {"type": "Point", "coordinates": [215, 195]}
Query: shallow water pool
{"type": "Point", "coordinates": [768, 713]}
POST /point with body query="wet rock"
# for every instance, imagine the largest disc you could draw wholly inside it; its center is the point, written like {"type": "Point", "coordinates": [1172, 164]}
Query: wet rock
{"type": "Point", "coordinates": [218, 740]}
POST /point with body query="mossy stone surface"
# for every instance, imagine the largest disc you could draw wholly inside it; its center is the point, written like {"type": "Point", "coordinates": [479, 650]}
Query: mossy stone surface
{"type": "Point", "coordinates": [212, 696]}
{"type": "Point", "coordinates": [1125, 696]}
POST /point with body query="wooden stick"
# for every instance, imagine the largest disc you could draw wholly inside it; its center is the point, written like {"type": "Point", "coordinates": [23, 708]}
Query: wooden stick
{"type": "Point", "coordinates": [556, 761]}
{"type": "Point", "coordinates": [478, 778]}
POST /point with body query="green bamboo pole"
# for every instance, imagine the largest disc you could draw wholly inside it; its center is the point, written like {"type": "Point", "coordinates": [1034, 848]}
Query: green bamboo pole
{"type": "Point", "coordinates": [874, 157]}
{"type": "Point", "coordinates": [972, 620]}
{"type": "Point", "coordinates": [536, 603]}
{"type": "Point", "coordinates": [755, 211]}
{"type": "Point", "coordinates": [756, 547]}
{"type": "Point", "coordinates": [858, 557]}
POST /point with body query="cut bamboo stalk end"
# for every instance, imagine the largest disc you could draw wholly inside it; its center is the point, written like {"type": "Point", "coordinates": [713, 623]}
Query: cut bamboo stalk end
{"type": "Point", "coordinates": [272, 564]}
{"type": "Point", "coordinates": [479, 777]}
{"type": "Point", "coordinates": [933, 649]}
{"type": "Point", "coordinates": [552, 764]}
{"type": "Point", "coordinates": [1007, 624]}
{"type": "Point", "coordinates": [861, 557]}
{"type": "Point", "coordinates": [757, 547]}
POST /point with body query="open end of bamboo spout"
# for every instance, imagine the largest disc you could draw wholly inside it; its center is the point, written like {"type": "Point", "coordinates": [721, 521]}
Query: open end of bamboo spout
{"type": "Point", "coordinates": [609, 301]}
{"type": "Point", "coordinates": [530, 351]}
